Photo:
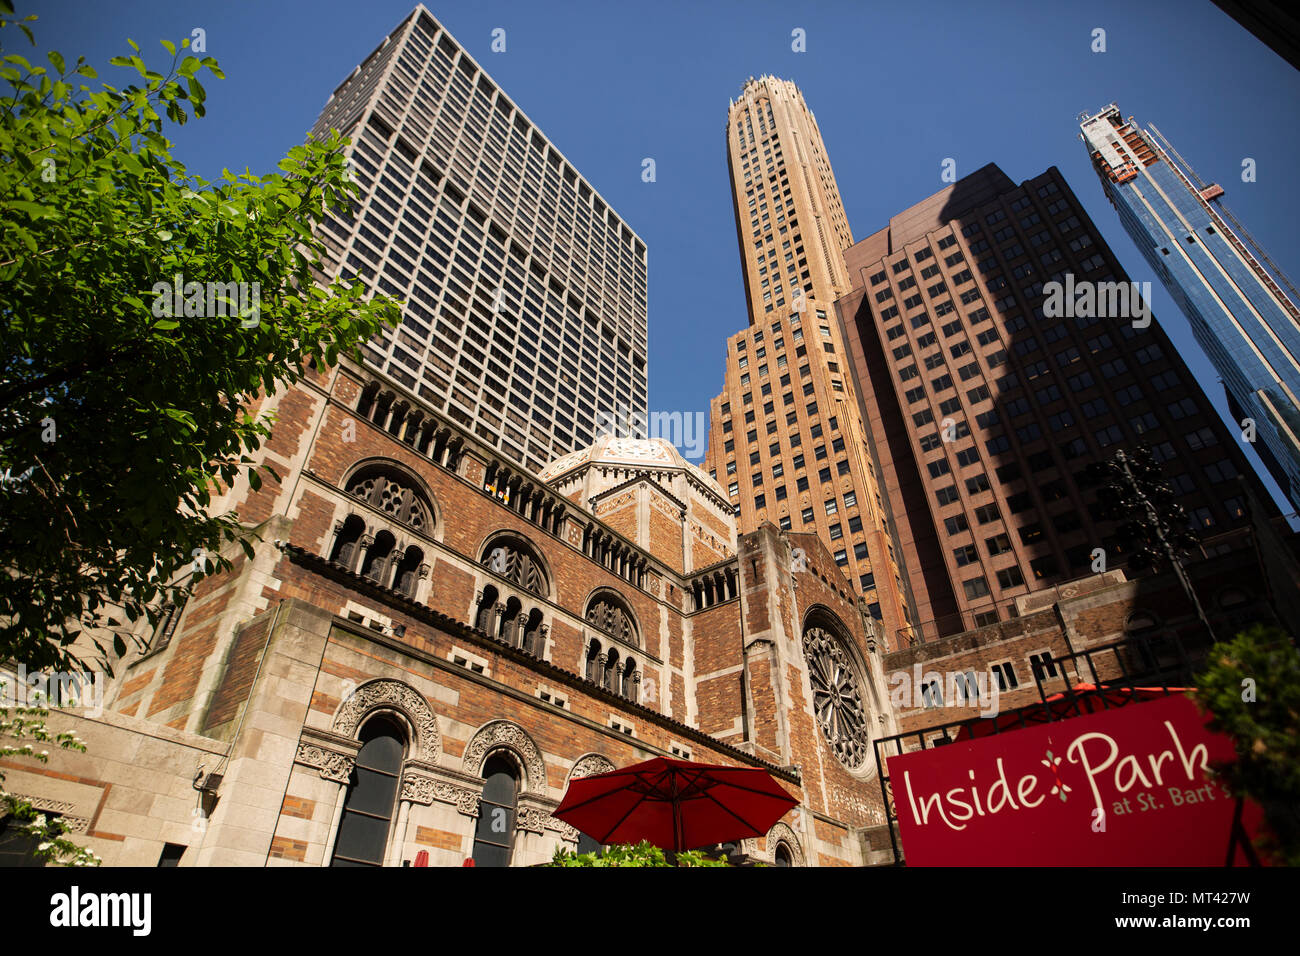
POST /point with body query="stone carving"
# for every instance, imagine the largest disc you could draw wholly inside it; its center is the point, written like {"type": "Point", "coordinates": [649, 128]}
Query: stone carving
{"type": "Point", "coordinates": [418, 788]}
{"type": "Point", "coordinates": [783, 833]}
{"type": "Point", "coordinates": [423, 789]}
{"type": "Point", "coordinates": [566, 832]}
{"type": "Point", "coordinates": [61, 807]}
{"type": "Point", "coordinates": [503, 733]}
{"type": "Point", "coordinates": [664, 506]}
{"type": "Point", "coordinates": [331, 764]}
{"type": "Point", "coordinates": [467, 802]}
{"type": "Point", "coordinates": [531, 819]}
{"type": "Point", "coordinates": [399, 696]}
{"type": "Point", "coordinates": [589, 766]}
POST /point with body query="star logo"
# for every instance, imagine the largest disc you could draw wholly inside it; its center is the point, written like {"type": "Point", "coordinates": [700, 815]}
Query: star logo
{"type": "Point", "coordinates": [1052, 763]}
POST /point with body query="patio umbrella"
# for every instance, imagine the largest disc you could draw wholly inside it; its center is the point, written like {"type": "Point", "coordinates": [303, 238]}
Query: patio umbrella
{"type": "Point", "coordinates": [675, 804]}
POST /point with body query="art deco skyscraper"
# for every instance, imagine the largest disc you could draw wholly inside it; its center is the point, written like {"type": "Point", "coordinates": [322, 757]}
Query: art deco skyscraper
{"type": "Point", "coordinates": [786, 436]}
{"type": "Point", "coordinates": [1242, 310]}
{"type": "Point", "coordinates": [526, 294]}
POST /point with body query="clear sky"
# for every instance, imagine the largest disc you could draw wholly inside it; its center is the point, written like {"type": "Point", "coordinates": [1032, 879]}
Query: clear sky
{"type": "Point", "coordinates": [896, 87]}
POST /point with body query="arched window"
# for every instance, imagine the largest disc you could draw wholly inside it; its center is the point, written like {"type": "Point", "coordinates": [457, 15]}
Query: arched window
{"type": "Point", "coordinates": [366, 402]}
{"type": "Point", "coordinates": [408, 571]}
{"type": "Point", "coordinates": [533, 640]}
{"type": "Point", "coordinates": [510, 621]}
{"type": "Point", "coordinates": [494, 835]}
{"type": "Point", "coordinates": [611, 670]}
{"type": "Point", "coordinates": [375, 567]}
{"type": "Point", "coordinates": [379, 414]}
{"type": "Point", "coordinates": [628, 688]}
{"type": "Point", "coordinates": [612, 616]}
{"type": "Point", "coordinates": [783, 856]}
{"type": "Point", "coordinates": [372, 793]}
{"type": "Point", "coordinates": [389, 490]}
{"type": "Point", "coordinates": [593, 662]}
{"type": "Point", "coordinates": [515, 560]}
{"type": "Point", "coordinates": [484, 619]}
{"type": "Point", "coordinates": [345, 543]}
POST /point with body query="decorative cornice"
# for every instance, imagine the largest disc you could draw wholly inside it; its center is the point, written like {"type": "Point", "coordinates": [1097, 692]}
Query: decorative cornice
{"type": "Point", "coordinates": [331, 764]}
{"type": "Point", "coordinates": [638, 479]}
{"type": "Point", "coordinates": [424, 789]}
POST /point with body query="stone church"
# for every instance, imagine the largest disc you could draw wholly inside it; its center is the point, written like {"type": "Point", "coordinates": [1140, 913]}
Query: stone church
{"type": "Point", "coordinates": [429, 638]}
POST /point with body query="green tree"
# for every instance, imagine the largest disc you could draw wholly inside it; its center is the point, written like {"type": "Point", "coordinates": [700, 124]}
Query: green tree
{"type": "Point", "coordinates": [124, 406]}
{"type": "Point", "coordinates": [639, 854]}
{"type": "Point", "coordinates": [1251, 687]}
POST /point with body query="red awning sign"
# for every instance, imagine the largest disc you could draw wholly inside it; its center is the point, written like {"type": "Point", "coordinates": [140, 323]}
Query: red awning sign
{"type": "Point", "coordinates": [1123, 787]}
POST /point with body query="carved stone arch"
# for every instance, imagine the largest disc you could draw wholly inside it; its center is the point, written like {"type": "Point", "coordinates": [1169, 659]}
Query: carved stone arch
{"type": "Point", "coordinates": [525, 544]}
{"type": "Point", "coordinates": [589, 765]}
{"type": "Point", "coordinates": [606, 597]}
{"type": "Point", "coordinates": [406, 477]}
{"type": "Point", "coordinates": [507, 735]}
{"type": "Point", "coordinates": [782, 832]}
{"type": "Point", "coordinates": [396, 697]}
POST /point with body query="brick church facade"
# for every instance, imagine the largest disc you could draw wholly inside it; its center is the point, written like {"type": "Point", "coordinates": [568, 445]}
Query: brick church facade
{"type": "Point", "coordinates": [497, 632]}
{"type": "Point", "coordinates": [429, 642]}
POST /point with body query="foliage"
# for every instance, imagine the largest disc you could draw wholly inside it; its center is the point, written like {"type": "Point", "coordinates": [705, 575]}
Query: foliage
{"type": "Point", "coordinates": [626, 854]}
{"type": "Point", "coordinates": [1132, 492]}
{"type": "Point", "coordinates": [123, 417]}
{"type": "Point", "coordinates": [20, 729]}
{"type": "Point", "coordinates": [1252, 689]}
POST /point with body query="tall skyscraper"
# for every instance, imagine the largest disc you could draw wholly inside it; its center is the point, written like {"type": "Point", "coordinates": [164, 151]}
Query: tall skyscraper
{"type": "Point", "coordinates": [985, 410]}
{"type": "Point", "coordinates": [1242, 309]}
{"type": "Point", "coordinates": [786, 435]}
{"type": "Point", "coordinates": [526, 294]}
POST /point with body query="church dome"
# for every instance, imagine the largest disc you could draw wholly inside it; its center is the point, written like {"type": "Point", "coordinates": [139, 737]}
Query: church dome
{"type": "Point", "coordinates": [654, 454]}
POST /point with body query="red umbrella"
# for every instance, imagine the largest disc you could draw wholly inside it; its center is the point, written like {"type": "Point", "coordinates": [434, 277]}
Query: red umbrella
{"type": "Point", "coordinates": [675, 804]}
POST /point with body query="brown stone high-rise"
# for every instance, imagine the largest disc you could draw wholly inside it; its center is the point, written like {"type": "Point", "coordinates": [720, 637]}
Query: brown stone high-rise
{"type": "Point", "coordinates": [985, 409]}
{"type": "Point", "coordinates": [786, 435]}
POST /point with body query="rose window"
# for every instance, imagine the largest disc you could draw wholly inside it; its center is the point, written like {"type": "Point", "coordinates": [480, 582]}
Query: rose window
{"type": "Point", "coordinates": [837, 697]}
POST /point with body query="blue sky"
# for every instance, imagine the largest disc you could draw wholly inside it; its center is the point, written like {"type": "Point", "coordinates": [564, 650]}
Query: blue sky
{"type": "Point", "coordinates": [896, 88]}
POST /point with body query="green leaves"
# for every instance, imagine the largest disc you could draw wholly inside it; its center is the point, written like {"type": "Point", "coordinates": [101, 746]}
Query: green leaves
{"type": "Point", "coordinates": [643, 854]}
{"type": "Point", "coordinates": [1251, 688]}
{"type": "Point", "coordinates": [126, 285]}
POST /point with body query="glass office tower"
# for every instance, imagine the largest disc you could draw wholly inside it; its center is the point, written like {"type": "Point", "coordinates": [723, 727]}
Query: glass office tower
{"type": "Point", "coordinates": [1241, 307]}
